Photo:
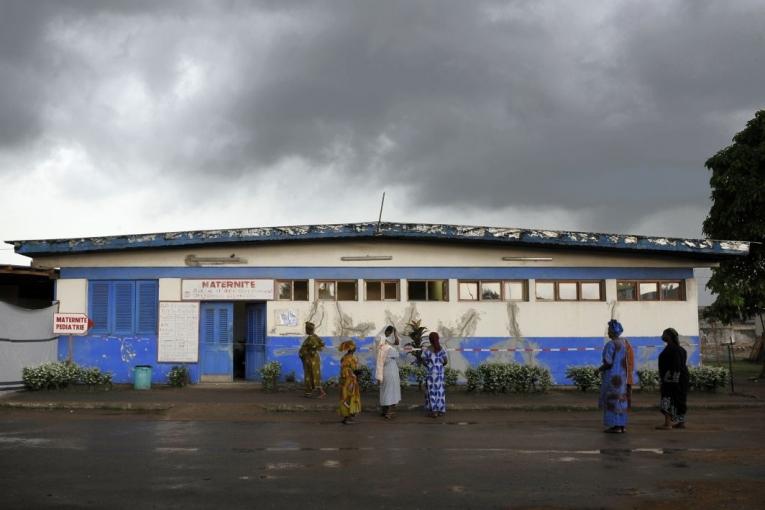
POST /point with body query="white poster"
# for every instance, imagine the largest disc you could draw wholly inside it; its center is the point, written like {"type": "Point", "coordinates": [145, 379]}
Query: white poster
{"type": "Point", "coordinates": [227, 290]}
{"type": "Point", "coordinates": [286, 317]}
{"type": "Point", "coordinates": [178, 337]}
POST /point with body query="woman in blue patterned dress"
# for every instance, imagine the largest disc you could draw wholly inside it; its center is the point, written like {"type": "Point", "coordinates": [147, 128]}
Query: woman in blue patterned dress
{"type": "Point", "coordinates": [615, 387]}
{"type": "Point", "coordinates": [434, 358]}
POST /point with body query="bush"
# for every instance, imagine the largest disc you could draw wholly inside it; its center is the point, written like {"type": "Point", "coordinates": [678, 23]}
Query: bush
{"type": "Point", "coordinates": [365, 379]}
{"type": "Point", "coordinates": [585, 377]}
{"type": "Point", "coordinates": [178, 376]}
{"type": "Point", "coordinates": [59, 375]}
{"type": "Point", "coordinates": [270, 375]}
{"type": "Point", "coordinates": [648, 378]}
{"type": "Point", "coordinates": [708, 378]}
{"type": "Point", "coordinates": [411, 373]}
{"type": "Point", "coordinates": [94, 377]}
{"type": "Point", "coordinates": [451, 376]}
{"type": "Point", "coordinates": [473, 377]}
{"type": "Point", "coordinates": [506, 377]}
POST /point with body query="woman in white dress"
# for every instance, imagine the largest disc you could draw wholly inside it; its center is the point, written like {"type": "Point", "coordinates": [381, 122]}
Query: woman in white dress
{"type": "Point", "coordinates": [387, 371]}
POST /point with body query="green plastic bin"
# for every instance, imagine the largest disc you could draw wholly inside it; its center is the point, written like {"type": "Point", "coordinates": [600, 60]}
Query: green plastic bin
{"type": "Point", "coordinates": [142, 377]}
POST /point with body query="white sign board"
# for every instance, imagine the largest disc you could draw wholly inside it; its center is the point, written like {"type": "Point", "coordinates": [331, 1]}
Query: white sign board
{"type": "Point", "coordinates": [227, 290]}
{"type": "Point", "coordinates": [71, 324]}
{"type": "Point", "coordinates": [178, 335]}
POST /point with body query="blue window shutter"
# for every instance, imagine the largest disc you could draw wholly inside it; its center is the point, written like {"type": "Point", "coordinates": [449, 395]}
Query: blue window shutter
{"type": "Point", "coordinates": [99, 306]}
{"type": "Point", "coordinates": [208, 323]}
{"type": "Point", "coordinates": [146, 307]}
{"type": "Point", "coordinates": [223, 326]}
{"type": "Point", "coordinates": [123, 307]}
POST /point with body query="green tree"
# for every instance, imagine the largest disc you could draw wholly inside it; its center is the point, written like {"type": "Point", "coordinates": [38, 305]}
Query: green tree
{"type": "Point", "coordinates": [738, 212]}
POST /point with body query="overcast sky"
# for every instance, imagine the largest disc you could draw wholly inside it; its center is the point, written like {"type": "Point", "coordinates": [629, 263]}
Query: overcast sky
{"type": "Point", "coordinates": [144, 116]}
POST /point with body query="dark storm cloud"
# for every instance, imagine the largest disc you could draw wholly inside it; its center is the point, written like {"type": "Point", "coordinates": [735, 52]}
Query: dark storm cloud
{"type": "Point", "coordinates": [581, 105]}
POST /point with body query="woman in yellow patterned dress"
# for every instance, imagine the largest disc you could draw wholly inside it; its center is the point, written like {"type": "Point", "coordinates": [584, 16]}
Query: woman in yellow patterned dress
{"type": "Point", "coordinates": [350, 392]}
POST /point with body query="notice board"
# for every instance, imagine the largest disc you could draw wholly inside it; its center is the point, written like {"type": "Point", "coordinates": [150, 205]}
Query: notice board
{"type": "Point", "coordinates": [178, 336]}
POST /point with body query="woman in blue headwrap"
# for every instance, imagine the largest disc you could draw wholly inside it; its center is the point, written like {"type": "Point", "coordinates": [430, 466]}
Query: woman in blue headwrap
{"type": "Point", "coordinates": [616, 383]}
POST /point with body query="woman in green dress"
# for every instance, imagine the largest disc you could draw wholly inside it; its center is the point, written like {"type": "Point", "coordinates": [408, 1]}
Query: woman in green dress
{"type": "Point", "coordinates": [309, 355]}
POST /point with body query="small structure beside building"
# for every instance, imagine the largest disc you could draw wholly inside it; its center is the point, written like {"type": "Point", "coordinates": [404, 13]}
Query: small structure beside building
{"type": "Point", "coordinates": [224, 302]}
{"type": "Point", "coordinates": [26, 321]}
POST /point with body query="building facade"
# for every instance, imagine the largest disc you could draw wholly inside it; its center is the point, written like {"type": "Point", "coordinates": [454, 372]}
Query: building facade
{"type": "Point", "coordinates": [226, 302]}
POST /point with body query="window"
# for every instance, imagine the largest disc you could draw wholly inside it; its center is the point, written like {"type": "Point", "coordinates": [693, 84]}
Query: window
{"type": "Point", "coordinates": [515, 290]}
{"type": "Point", "coordinates": [569, 290]}
{"type": "Point", "coordinates": [468, 291]}
{"type": "Point", "coordinates": [123, 307]}
{"type": "Point", "coordinates": [428, 290]}
{"type": "Point", "coordinates": [491, 290]}
{"type": "Point", "coordinates": [292, 290]}
{"type": "Point", "coordinates": [671, 291]}
{"type": "Point", "coordinates": [379, 290]}
{"type": "Point", "coordinates": [337, 290]}
{"type": "Point", "coordinates": [650, 290]}
{"type": "Point", "coordinates": [626, 291]}
{"type": "Point", "coordinates": [545, 291]}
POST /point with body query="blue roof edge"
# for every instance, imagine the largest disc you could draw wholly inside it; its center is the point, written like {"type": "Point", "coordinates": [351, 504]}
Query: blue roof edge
{"type": "Point", "coordinates": [705, 248]}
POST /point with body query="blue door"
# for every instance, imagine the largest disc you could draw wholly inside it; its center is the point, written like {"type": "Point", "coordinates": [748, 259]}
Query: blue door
{"type": "Point", "coordinates": [216, 337]}
{"type": "Point", "coordinates": [255, 347]}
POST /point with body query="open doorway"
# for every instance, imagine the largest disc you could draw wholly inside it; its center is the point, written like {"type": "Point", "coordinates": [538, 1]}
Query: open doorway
{"type": "Point", "coordinates": [233, 340]}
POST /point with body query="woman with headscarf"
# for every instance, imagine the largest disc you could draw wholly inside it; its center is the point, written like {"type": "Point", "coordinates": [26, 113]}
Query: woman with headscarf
{"type": "Point", "coordinates": [386, 372]}
{"type": "Point", "coordinates": [616, 384]}
{"type": "Point", "coordinates": [434, 358]}
{"type": "Point", "coordinates": [350, 392]}
{"type": "Point", "coordinates": [673, 376]}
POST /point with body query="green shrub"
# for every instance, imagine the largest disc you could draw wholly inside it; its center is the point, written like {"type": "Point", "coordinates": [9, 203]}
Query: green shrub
{"type": "Point", "coordinates": [94, 377]}
{"type": "Point", "coordinates": [451, 376]}
{"type": "Point", "coordinates": [365, 379]}
{"type": "Point", "coordinates": [585, 377]}
{"type": "Point", "coordinates": [507, 377]}
{"type": "Point", "coordinates": [648, 378]}
{"type": "Point", "coordinates": [538, 379]}
{"type": "Point", "coordinates": [270, 375]}
{"type": "Point", "coordinates": [409, 374]}
{"type": "Point", "coordinates": [178, 376]}
{"type": "Point", "coordinates": [708, 378]}
{"type": "Point", "coordinates": [473, 377]}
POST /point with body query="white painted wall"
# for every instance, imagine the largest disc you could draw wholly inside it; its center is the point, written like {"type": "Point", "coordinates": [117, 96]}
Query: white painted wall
{"type": "Point", "coordinates": [72, 295]}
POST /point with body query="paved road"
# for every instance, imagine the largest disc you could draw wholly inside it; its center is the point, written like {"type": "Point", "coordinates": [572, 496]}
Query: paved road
{"type": "Point", "coordinates": [304, 460]}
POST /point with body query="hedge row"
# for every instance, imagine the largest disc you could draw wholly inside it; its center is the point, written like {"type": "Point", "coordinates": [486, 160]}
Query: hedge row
{"type": "Point", "coordinates": [700, 378]}
{"type": "Point", "coordinates": [62, 374]}
{"type": "Point", "coordinates": [508, 377]}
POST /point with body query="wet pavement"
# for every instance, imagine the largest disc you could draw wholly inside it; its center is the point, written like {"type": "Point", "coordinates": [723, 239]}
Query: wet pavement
{"type": "Point", "coordinates": [478, 459]}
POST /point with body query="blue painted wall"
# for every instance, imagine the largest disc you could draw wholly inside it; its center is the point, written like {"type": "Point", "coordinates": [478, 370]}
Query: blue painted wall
{"type": "Point", "coordinates": [120, 355]}
{"type": "Point", "coordinates": [647, 349]}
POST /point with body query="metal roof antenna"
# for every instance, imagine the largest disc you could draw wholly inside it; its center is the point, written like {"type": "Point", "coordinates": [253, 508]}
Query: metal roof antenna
{"type": "Point", "coordinates": [379, 219]}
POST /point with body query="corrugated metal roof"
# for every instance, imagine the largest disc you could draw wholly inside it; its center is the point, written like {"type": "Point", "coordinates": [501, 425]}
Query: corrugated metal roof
{"type": "Point", "coordinates": [701, 248]}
